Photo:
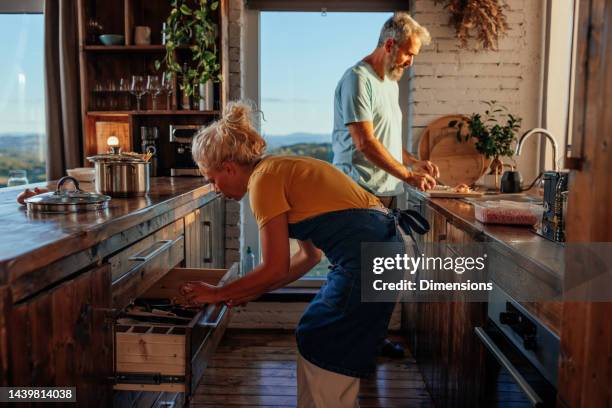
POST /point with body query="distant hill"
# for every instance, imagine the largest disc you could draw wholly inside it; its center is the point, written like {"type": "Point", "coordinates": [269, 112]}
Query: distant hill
{"type": "Point", "coordinates": [275, 141]}
{"type": "Point", "coordinates": [321, 151]}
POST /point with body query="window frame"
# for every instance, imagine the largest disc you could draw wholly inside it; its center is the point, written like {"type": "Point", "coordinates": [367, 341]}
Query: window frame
{"type": "Point", "coordinates": [252, 90]}
{"type": "Point", "coordinates": [22, 7]}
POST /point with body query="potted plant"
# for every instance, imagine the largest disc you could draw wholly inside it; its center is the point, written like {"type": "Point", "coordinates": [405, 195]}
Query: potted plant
{"type": "Point", "coordinates": [196, 29]}
{"type": "Point", "coordinates": [495, 132]}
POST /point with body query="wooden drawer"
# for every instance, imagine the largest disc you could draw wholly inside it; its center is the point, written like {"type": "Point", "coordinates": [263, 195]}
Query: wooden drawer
{"type": "Point", "coordinates": [136, 268]}
{"type": "Point", "coordinates": [171, 357]}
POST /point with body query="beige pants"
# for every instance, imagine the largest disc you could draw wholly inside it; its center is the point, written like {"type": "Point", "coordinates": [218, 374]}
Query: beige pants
{"type": "Point", "coordinates": [319, 388]}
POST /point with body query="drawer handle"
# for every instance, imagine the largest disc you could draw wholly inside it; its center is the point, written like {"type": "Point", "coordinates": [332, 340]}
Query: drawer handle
{"type": "Point", "coordinates": [217, 321]}
{"type": "Point", "coordinates": [208, 257]}
{"type": "Point", "coordinates": [534, 398]}
{"type": "Point", "coordinates": [163, 245]}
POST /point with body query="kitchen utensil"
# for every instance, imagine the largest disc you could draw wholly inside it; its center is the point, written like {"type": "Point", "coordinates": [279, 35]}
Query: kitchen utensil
{"type": "Point", "coordinates": [112, 39]}
{"type": "Point", "coordinates": [121, 174]}
{"type": "Point", "coordinates": [459, 161]}
{"type": "Point", "coordinates": [62, 201]}
{"type": "Point", "coordinates": [511, 182]}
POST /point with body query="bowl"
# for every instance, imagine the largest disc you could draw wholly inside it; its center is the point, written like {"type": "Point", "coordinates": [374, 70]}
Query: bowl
{"type": "Point", "coordinates": [83, 174]}
{"type": "Point", "coordinates": [111, 39]}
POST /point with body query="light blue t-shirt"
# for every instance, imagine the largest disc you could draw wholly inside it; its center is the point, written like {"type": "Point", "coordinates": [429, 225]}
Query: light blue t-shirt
{"type": "Point", "coordinates": [361, 96]}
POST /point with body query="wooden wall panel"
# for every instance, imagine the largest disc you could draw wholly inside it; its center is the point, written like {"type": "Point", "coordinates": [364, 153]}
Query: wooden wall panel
{"type": "Point", "coordinates": [585, 378]}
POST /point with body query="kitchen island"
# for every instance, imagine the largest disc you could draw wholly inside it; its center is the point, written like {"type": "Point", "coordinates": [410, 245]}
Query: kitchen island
{"type": "Point", "coordinates": [66, 278]}
{"type": "Point", "coordinates": [443, 335]}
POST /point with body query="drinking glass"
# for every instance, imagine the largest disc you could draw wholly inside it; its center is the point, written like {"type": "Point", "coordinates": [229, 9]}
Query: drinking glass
{"type": "Point", "coordinates": [154, 88]}
{"type": "Point", "coordinates": [167, 87]}
{"type": "Point", "coordinates": [124, 89]}
{"type": "Point", "coordinates": [17, 178]}
{"type": "Point", "coordinates": [137, 88]}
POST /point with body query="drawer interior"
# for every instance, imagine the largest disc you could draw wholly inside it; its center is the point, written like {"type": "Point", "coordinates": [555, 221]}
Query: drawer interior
{"type": "Point", "coordinates": [162, 346]}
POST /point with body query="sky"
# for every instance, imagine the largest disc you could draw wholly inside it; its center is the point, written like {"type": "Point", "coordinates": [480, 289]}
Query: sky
{"type": "Point", "coordinates": [22, 106]}
{"type": "Point", "coordinates": [303, 56]}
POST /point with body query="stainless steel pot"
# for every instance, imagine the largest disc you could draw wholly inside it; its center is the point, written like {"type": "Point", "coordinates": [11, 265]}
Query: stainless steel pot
{"type": "Point", "coordinates": [63, 201]}
{"type": "Point", "coordinates": [121, 175]}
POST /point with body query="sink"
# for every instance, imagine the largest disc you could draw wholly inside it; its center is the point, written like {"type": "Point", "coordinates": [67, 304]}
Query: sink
{"type": "Point", "coordinates": [517, 198]}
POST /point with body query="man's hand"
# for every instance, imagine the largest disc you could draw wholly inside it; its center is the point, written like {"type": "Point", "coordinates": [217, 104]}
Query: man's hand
{"type": "Point", "coordinates": [423, 182]}
{"type": "Point", "coordinates": [427, 167]}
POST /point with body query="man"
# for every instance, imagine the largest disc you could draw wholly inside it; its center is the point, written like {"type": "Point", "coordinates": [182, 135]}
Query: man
{"type": "Point", "coordinates": [367, 136]}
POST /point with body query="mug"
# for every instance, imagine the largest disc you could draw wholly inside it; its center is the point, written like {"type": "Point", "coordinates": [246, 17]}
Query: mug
{"type": "Point", "coordinates": [142, 35]}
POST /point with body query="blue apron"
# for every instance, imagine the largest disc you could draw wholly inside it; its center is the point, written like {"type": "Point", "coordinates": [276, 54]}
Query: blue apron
{"type": "Point", "coordinates": [338, 332]}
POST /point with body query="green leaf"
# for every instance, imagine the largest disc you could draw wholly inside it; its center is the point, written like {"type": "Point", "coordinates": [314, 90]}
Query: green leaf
{"type": "Point", "coordinates": [157, 65]}
{"type": "Point", "coordinates": [214, 5]}
{"type": "Point", "coordinates": [185, 10]}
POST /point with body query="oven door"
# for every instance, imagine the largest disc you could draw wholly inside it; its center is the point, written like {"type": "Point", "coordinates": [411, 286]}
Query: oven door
{"type": "Point", "coordinates": [511, 379]}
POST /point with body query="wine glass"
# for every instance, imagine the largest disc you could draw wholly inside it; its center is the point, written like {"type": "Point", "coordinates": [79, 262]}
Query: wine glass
{"type": "Point", "coordinates": [137, 88]}
{"type": "Point", "coordinates": [154, 88]}
{"type": "Point", "coordinates": [17, 178]}
{"type": "Point", "coordinates": [124, 89]}
{"type": "Point", "coordinates": [167, 87]}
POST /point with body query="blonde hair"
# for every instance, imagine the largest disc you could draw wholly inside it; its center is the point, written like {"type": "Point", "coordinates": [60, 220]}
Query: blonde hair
{"type": "Point", "coordinates": [400, 27]}
{"type": "Point", "coordinates": [229, 139]}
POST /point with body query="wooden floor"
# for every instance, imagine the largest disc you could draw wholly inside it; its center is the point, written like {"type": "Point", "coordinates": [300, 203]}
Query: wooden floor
{"type": "Point", "coordinates": [257, 369]}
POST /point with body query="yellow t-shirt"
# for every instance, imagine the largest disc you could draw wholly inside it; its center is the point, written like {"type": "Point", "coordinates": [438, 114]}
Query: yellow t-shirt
{"type": "Point", "coordinates": [302, 187]}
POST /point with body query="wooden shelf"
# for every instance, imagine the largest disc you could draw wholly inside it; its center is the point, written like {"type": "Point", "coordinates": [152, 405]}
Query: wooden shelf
{"type": "Point", "coordinates": [154, 113]}
{"type": "Point", "coordinates": [124, 48]}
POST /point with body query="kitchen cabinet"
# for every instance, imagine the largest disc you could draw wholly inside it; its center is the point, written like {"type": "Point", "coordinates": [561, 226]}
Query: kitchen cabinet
{"type": "Point", "coordinates": [441, 334]}
{"type": "Point", "coordinates": [64, 338]}
{"type": "Point", "coordinates": [205, 236]}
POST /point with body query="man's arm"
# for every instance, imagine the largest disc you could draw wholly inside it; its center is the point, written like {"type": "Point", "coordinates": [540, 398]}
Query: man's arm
{"type": "Point", "coordinates": [362, 134]}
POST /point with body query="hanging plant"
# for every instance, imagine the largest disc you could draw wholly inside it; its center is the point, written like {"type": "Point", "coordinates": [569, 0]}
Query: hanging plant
{"type": "Point", "coordinates": [196, 29]}
{"type": "Point", "coordinates": [483, 20]}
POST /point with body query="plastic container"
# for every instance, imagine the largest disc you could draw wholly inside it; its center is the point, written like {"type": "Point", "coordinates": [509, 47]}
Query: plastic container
{"type": "Point", "coordinates": [507, 212]}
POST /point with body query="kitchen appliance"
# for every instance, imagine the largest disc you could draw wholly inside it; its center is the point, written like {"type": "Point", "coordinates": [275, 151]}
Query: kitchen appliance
{"type": "Point", "coordinates": [511, 182]}
{"type": "Point", "coordinates": [121, 174]}
{"type": "Point", "coordinates": [148, 143]}
{"type": "Point", "coordinates": [555, 183]}
{"type": "Point", "coordinates": [181, 137]}
{"type": "Point", "coordinates": [64, 201]}
{"type": "Point", "coordinates": [520, 348]}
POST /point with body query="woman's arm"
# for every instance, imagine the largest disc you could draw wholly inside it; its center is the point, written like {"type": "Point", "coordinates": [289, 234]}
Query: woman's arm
{"type": "Point", "coordinates": [275, 271]}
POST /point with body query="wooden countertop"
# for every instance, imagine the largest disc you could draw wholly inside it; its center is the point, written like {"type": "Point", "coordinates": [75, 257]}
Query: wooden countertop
{"type": "Point", "coordinates": [31, 241]}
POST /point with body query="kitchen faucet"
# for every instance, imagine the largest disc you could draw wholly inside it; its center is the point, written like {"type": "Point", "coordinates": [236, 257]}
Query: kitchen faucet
{"type": "Point", "coordinates": [546, 133]}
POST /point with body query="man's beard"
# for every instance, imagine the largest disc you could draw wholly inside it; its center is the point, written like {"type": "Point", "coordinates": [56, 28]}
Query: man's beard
{"type": "Point", "coordinates": [393, 71]}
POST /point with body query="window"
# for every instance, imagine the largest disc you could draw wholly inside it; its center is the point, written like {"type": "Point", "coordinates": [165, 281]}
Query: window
{"type": "Point", "coordinates": [302, 56]}
{"type": "Point", "coordinates": [22, 101]}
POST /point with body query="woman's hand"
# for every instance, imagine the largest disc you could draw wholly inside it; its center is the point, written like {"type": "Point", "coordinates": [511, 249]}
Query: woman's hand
{"type": "Point", "coordinates": [196, 293]}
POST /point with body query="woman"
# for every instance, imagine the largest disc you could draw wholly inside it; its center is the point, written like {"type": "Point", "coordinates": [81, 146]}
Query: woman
{"type": "Point", "coordinates": [321, 207]}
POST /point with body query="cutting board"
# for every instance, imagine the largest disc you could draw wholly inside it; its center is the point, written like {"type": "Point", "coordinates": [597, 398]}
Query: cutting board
{"type": "Point", "coordinates": [451, 194]}
{"type": "Point", "coordinates": [459, 162]}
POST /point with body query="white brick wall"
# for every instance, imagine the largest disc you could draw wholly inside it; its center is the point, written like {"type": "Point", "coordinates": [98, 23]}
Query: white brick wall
{"type": "Point", "coordinates": [450, 80]}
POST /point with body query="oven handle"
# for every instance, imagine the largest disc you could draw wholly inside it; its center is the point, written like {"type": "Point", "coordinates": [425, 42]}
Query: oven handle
{"type": "Point", "coordinates": [534, 398]}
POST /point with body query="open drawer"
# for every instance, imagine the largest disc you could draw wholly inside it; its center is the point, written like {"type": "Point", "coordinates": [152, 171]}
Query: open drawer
{"type": "Point", "coordinates": [157, 353]}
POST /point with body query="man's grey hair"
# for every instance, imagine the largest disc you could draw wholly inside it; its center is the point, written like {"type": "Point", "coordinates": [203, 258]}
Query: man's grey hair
{"type": "Point", "coordinates": [400, 27]}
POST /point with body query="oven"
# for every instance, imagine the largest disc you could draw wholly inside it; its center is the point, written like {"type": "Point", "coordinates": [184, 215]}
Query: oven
{"type": "Point", "coordinates": [522, 355]}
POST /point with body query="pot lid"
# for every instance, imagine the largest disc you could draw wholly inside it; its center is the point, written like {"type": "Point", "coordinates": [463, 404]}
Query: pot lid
{"type": "Point", "coordinates": [64, 197]}
{"type": "Point", "coordinates": [116, 155]}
